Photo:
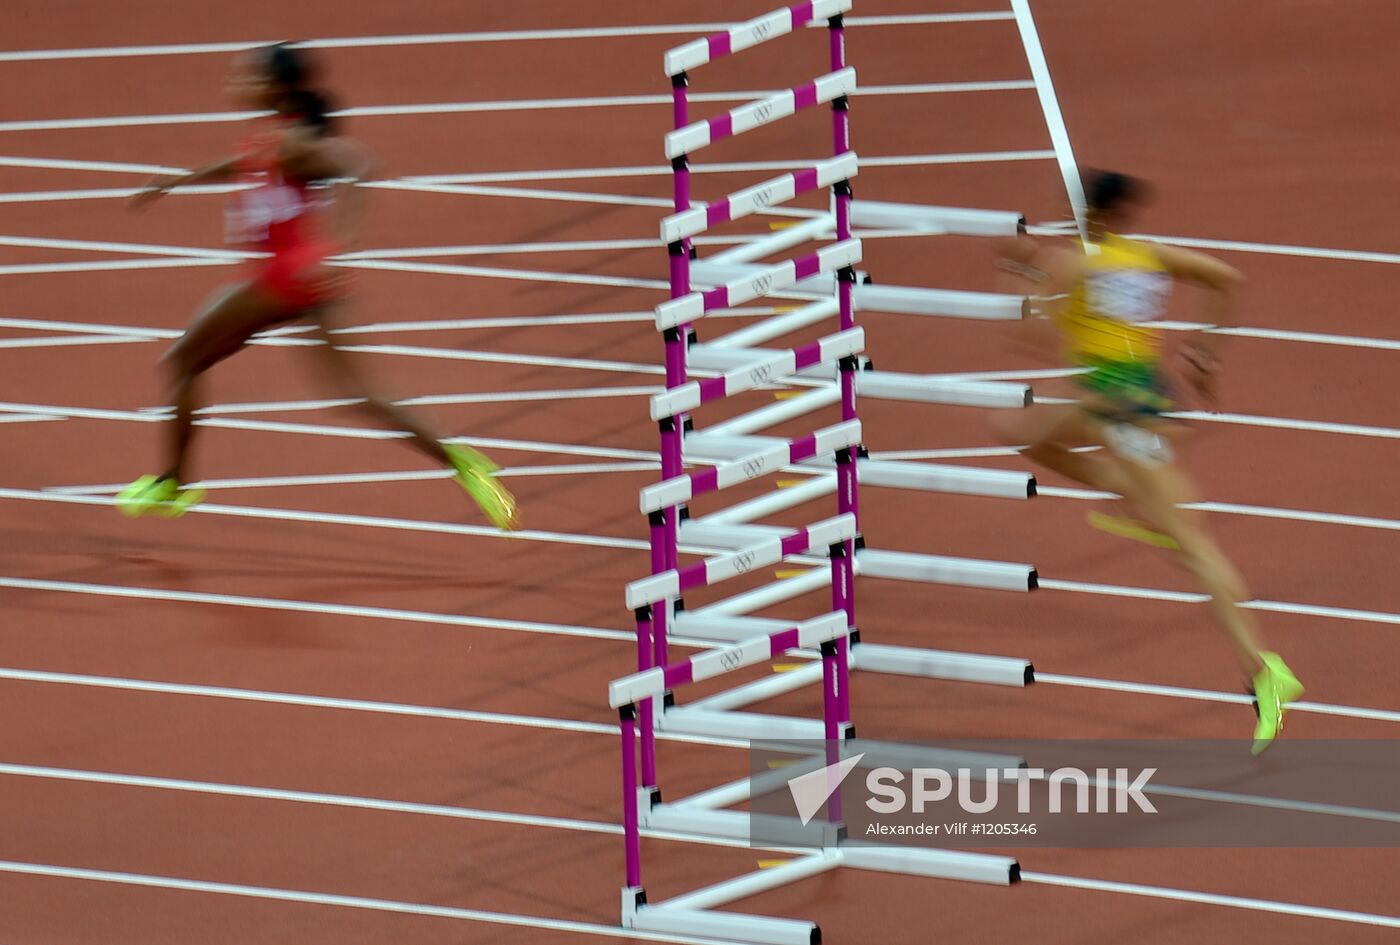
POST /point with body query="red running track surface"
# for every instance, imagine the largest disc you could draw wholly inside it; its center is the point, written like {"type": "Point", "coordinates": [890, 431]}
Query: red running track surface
{"type": "Point", "coordinates": [299, 683]}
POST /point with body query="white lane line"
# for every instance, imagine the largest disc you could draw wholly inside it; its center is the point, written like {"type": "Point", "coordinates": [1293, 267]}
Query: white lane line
{"type": "Point", "coordinates": [663, 170]}
{"type": "Point", "coordinates": [591, 826]}
{"type": "Point", "coordinates": [348, 902]}
{"type": "Point", "coordinates": [442, 324]}
{"type": "Point", "coordinates": [301, 700]}
{"type": "Point", "coordinates": [1209, 695]}
{"type": "Point", "coordinates": [435, 400]}
{"type": "Point", "coordinates": [90, 328]}
{"type": "Point", "coordinates": [111, 193]}
{"type": "Point", "coordinates": [1276, 423]}
{"type": "Point", "coordinates": [497, 272]}
{"type": "Point", "coordinates": [536, 360]}
{"type": "Point", "coordinates": [367, 521]}
{"type": "Point", "coordinates": [108, 167]}
{"type": "Point", "coordinates": [563, 196]}
{"type": "Point", "coordinates": [359, 521]}
{"type": "Point", "coordinates": [313, 797]}
{"type": "Point", "coordinates": [1050, 107]}
{"type": "Point", "coordinates": [71, 341]}
{"type": "Point", "coordinates": [1232, 508]}
{"type": "Point", "coordinates": [490, 36]}
{"type": "Point", "coordinates": [339, 479]}
{"type": "Point", "coordinates": [526, 321]}
{"type": "Point", "coordinates": [300, 607]}
{"type": "Point", "coordinates": [382, 613]}
{"type": "Point", "coordinates": [1287, 423]}
{"type": "Point", "coordinates": [1185, 597]}
{"type": "Point", "coordinates": [505, 105]}
{"type": "Point", "coordinates": [585, 173]}
{"type": "Point", "coordinates": [1277, 249]}
{"type": "Point", "coordinates": [159, 415]}
{"type": "Point", "coordinates": [113, 265]}
{"type": "Point", "coordinates": [482, 442]}
{"type": "Point", "coordinates": [96, 246]}
{"type": "Point", "coordinates": [27, 418]}
{"type": "Point", "coordinates": [1310, 337]}
{"type": "Point", "coordinates": [1213, 899]}
{"type": "Point", "coordinates": [1279, 334]}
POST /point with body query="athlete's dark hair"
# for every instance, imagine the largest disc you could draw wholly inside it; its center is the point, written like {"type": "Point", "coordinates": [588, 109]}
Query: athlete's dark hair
{"type": "Point", "coordinates": [312, 109]}
{"type": "Point", "coordinates": [290, 67]}
{"type": "Point", "coordinates": [1106, 191]}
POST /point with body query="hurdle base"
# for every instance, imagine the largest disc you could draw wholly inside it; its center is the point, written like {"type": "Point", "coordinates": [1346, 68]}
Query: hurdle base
{"type": "Point", "coordinates": [936, 864]}
{"type": "Point", "coordinates": [724, 926]}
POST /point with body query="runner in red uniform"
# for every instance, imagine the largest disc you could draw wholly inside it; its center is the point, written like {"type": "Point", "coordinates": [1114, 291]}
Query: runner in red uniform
{"type": "Point", "coordinates": [292, 165]}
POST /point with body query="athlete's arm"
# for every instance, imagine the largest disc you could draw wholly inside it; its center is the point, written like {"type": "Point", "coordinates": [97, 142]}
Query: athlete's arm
{"type": "Point", "coordinates": [1052, 269]}
{"type": "Point", "coordinates": [1222, 284]}
{"type": "Point", "coordinates": [162, 184]}
{"type": "Point", "coordinates": [343, 162]}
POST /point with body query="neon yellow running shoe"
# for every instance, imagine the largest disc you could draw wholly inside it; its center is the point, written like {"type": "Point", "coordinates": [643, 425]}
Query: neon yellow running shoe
{"type": "Point", "coordinates": [475, 473]}
{"type": "Point", "coordinates": [1275, 687]}
{"type": "Point", "coordinates": [1131, 528]}
{"type": "Point", "coordinates": [157, 495]}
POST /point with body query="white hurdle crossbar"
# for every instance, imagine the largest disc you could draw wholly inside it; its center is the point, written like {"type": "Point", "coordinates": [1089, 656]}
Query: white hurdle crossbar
{"type": "Point", "coordinates": [742, 203]}
{"type": "Point", "coordinates": [765, 111]}
{"type": "Point", "coordinates": [767, 279]}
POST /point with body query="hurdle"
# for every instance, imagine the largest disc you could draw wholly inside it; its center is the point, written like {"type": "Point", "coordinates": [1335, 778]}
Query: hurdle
{"type": "Point", "coordinates": [829, 462]}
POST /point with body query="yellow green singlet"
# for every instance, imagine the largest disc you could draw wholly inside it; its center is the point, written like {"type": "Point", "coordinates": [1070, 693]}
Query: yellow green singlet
{"type": "Point", "coordinates": [1122, 286]}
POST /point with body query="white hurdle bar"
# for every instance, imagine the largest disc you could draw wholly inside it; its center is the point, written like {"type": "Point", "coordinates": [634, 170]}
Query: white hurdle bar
{"type": "Point", "coordinates": [939, 477]}
{"type": "Point", "coordinates": [817, 228]}
{"type": "Point", "coordinates": [689, 308]}
{"type": "Point", "coordinates": [778, 325]}
{"type": "Point", "coordinates": [750, 33]}
{"type": "Point", "coordinates": [931, 389]}
{"type": "Point", "coordinates": [940, 569]}
{"type": "Point", "coordinates": [950, 303]}
{"type": "Point", "coordinates": [951, 221]}
{"type": "Point", "coordinates": [686, 486]}
{"type": "Point", "coordinates": [759, 372]}
{"type": "Point", "coordinates": [779, 411]}
{"type": "Point", "coordinates": [734, 265]}
{"type": "Point", "coordinates": [765, 111]}
{"type": "Point", "coordinates": [895, 299]}
{"type": "Point", "coordinates": [651, 683]}
{"type": "Point", "coordinates": [891, 565]}
{"type": "Point", "coordinates": [669, 584]}
{"type": "Point", "coordinates": [712, 357]}
{"type": "Point", "coordinates": [753, 199]}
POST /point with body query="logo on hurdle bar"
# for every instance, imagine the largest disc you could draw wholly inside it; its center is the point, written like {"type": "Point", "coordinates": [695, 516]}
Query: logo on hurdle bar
{"type": "Point", "coordinates": [743, 562]}
{"type": "Point", "coordinates": [753, 467]}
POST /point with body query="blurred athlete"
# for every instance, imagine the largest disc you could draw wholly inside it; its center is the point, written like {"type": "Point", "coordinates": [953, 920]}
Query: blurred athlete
{"type": "Point", "coordinates": [293, 155]}
{"type": "Point", "coordinates": [1100, 293]}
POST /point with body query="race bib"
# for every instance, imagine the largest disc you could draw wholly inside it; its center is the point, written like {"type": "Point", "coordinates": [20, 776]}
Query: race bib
{"type": "Point", "coordinates": [1129, 295]}
{"type": "Point", "coordinates": [252, 215]}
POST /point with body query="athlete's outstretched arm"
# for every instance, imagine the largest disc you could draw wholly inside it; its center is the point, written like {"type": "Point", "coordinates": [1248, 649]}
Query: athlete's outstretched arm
{"type": "Point", "coordinates": [162, 184]}
{"type": "Point", "coordinates": [1052, 268]}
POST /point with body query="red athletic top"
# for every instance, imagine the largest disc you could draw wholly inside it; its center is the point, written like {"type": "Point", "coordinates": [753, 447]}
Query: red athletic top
{"type": "Point", "coordinates": [275, 214]}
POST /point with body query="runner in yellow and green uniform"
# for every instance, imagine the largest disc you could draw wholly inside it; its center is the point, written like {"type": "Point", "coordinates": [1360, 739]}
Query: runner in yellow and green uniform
{"type": "Point", "coordinates": [1102, 295]}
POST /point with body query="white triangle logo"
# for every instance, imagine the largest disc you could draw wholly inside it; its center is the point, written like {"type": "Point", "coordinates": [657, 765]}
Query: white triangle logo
{"type": "Point", "coordinates": [810, 790]}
